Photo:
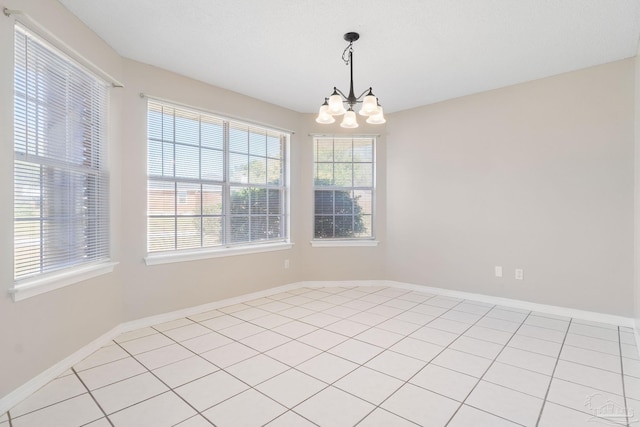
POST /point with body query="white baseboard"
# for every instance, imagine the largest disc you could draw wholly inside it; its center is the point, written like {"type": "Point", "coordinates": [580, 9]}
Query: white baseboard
{"type": "Point", "coordinates": [34, 384]}
{"type": "Point", "coordinates": [592, 316]}
{"type": "Point", "coordinates": [18, 395]}
{"type": "Point", "coordinates": [186, 312]}
{"type": "Point", "coordinates": [22, 392]}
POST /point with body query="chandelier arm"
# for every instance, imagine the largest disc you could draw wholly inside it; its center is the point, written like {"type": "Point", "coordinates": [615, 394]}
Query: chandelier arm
{"type": "Point", "coordinates": [344, 97]}
{"type": "Point", "coordinates": [358, 99]}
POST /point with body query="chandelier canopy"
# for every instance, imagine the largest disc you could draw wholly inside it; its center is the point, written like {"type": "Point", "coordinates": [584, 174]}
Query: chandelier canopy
{"type": "Point", "coordinates": [335, 104]}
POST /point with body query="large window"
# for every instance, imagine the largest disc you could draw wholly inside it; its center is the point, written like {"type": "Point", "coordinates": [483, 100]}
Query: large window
{"type": "Point", "coordinates": [343, 187]}
{"type": "Point", "coordinates": [213, 182]}
{"type": "Point", "coordinates": [61, 209]}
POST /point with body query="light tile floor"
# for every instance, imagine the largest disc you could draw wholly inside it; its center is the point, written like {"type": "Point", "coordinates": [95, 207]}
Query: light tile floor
{"type": "Point", "coordinates": [346, 356]}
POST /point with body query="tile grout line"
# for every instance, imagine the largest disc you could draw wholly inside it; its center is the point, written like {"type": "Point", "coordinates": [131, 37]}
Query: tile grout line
{"type": "Point", "coordinates": [624, 390]}
{"type": "Point", "coordinates": [546, 395]}
{"type": "Point", "coordinates": [493, 361]}
{"type": "Point", "coordinates": [92, 397]}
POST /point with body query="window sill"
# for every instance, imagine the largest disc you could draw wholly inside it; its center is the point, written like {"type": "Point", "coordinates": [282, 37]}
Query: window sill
{"type": "Point", "coordinates": [35, 286]}
{"type": "Point", "coordinates": [329, 243]}
{"type": "Point", "coordinates": [195, 255]}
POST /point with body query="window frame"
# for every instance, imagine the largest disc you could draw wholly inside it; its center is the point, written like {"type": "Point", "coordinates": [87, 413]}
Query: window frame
{"type": "Point", "coordinates": [76, 267]}
{"type": "Point", "coordinates": [226, 247]}
{"type": "Point", "coordinates": [364, 241]}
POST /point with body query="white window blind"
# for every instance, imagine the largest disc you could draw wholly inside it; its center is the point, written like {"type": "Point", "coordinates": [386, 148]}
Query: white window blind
{"type": "Point", "coordinates": [61, 184]}
{"type": "Point", "coordinates": [212, 182]}
{"type": "Point", "coordinates": [343, 187]}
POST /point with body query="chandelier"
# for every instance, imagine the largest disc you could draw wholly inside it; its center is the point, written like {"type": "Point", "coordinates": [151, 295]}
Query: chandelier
{"type": "Point", "coordinates": [335, 104]}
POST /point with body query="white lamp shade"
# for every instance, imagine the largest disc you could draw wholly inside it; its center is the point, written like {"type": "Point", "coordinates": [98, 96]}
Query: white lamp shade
{"type": "Point", "coordinates": [378, 118]}
{"type": "Point", "coordinates": [323, 116]}
{"type": "Point", "coordinates": [336, 107]}
{"type": "Point", "coordinates": [349, 120]}
{"type": "Point", "coordinates": [369, 106]}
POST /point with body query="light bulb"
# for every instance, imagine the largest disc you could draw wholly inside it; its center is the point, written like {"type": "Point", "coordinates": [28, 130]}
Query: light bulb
{"type": "Point", "coordinates": [378, 118]}
{"type": "Point", "coordinates": [324, 117]}
{"type": "Point", "coordinates": [369, 105]}
{"type": "Point", "coordinates": [349, 120]}
{"type": "Point", "coordinates": [336, 107]}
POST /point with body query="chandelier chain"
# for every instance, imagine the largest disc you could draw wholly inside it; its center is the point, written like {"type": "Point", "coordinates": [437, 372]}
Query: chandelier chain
{"type": "Point", "coordinates": [346, 54]}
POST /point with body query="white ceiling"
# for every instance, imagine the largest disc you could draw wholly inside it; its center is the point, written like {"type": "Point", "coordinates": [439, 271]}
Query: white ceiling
{"type": "Point", "coordinates": [412, 52]}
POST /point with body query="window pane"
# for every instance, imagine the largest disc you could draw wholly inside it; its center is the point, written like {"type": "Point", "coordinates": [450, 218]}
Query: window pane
{"type": "Point", "coordinates": [363, 201]}
{"type": "Point", "coordinates": [212, 133]}
{"type": "Point", "coordinates": [323, 202]}
{"type": "Point", "coordinates": [212, 165]}
{"type": "Point", "coordinates": [323, 227]}
{"type": "Point", "coordinates": [239, 229]}
{"type": "Point", "coordinates": [212, 200]}
{"type": "Point", "coordinates": [187, 128]}
{"type": "Point", "coordinates": [343, 174]}
{"type": "Point", "coordinates": [187, 162]}
{"type": "Point", "coordinates": [161, 234]}
{"type": "Point", "coordinates": [238, 139]}
{"type": "Point", "coordinates": [212, 233]}
{"type": "Point", "coordinates": [274, 227]}
{"type": "Point", "coordinates": [258, 228]}
{"type": "Point", "coordinates": [257, 170]}
{"type": "Point", "coordinates": [189, 199]}
{"type": "Point", "coordinates": [274, 171]}
{"type": "Point", "coordinates": [274, 202]}
{"type": "Point", "coordinates": [168, 159]}
{"type": "Point", "coordinates": [240, 201]}
{"type": "Point", "coordinates": [344, 226]}
{"type": "Point", "coordinates": [362, 151]}
{"type": "Point", "coordinates": [343, 150]}
{"type": "Point", "coordinates": [323, 151]}
{"type": "Point", "coordinates": [259, 201]}
{"type": "Point", "coordinates": [324, 174]}
{"type": "Point", "coordinates": [161, 198]}
{"type": "Point", "coordinates": [154, 158]}
{"type": "Point", "coordinates": [362, 175]}
{"type": "Point", "coordinates": [239, 168]}
{"type": "Point", "coordinates": [188, 233]}
{"type": "Point", "coordinates": [343, 202]}
{"type": "Point", "coordinates": [258, 144]}
{"type": "Point", "coordinates": [274, 147]}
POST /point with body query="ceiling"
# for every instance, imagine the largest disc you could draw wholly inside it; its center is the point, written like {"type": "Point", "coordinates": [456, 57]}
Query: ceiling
{"type": "Point", "coordinates": [412, 52]}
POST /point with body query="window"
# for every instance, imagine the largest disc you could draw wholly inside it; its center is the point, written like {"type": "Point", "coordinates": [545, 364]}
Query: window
{"type": "Point", "coordinates": [213, 182]}
{"type": "Point", "coordinates": [61, 184]}
{"type": "Point", "coordinates": [343, 187]}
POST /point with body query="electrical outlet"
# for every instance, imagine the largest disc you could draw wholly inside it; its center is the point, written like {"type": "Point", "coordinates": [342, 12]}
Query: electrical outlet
{"type": "Point", "coordinates": [519, 274]}
{"type": "Point", "coordinates": [497, 270]}
{"type": "Point", "coordinates": [286, 263]}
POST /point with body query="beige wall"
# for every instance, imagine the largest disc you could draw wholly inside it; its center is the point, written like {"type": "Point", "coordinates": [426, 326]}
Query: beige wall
{"type": "Point", "coordinates": [536, 176]}
{"type": "Point", "coordinates": [38, 332]}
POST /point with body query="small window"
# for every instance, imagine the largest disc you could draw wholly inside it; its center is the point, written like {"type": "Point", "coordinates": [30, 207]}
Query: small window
{"type": "Point", "coordinates": [213, 182]}
{"type": "Point", "coordinates": [61, 183]}
{"type": "Point", "coordinates": [344, 182]}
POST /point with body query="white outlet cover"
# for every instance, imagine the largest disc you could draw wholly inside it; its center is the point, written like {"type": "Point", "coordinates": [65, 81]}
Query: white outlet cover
{"type": "Point", "coordinates": [497, 271]}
